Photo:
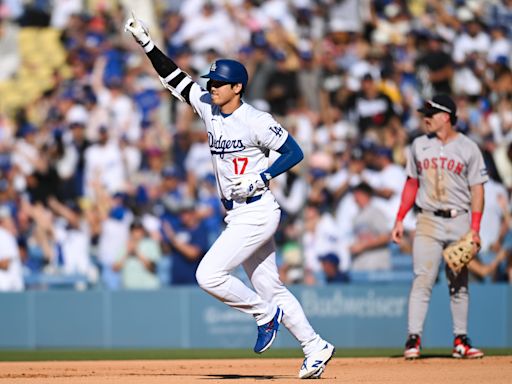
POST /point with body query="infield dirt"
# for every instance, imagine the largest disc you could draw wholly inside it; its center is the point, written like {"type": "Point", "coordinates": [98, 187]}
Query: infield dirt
{"type": "Point", "coordinates": [435, 370]}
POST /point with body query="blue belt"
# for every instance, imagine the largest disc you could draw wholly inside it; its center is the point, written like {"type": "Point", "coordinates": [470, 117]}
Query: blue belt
{"type": "Point", "coordinates": [228, 204]}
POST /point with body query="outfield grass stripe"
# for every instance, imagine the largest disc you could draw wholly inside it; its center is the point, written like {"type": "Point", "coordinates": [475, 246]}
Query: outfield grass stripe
{"type": "Point", "coordinates": [175, 354]}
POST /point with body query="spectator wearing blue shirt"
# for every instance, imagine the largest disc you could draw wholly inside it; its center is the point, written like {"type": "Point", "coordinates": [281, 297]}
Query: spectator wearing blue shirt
{"type": "Point", "coordinates": [189, 243]}
{"type": "Point", "coordinates": [210, 208]}
{"type": "Point", "coordinates": [172, 194]}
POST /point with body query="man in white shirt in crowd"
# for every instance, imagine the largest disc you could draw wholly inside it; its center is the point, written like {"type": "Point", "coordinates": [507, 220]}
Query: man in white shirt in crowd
{"type": "Point", "coordinates": [104, 162]}
{"type": "Point", "coordinates": [73, 237]}
{"type": "Point", "coordinates": [11, 274]}
{"type": "Point", "coordinates": [370, 234]}
{"type": "Point", "coordinates": [25, 152]}
{"type": "Point", "coordinates": [114, 235]}
{"type": "Point", "coordinates": [320, 237]}
{"type": "Point", "coordinates": [386, 181]}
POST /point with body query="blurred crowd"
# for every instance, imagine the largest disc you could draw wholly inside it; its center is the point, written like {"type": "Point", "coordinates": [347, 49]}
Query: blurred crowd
{"type": "Point", "coordinates": [106, 180]}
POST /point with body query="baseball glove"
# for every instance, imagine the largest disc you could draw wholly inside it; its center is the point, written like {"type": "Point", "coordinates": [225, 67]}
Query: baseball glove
{"type": "Point", "coordinates": [461, 252]}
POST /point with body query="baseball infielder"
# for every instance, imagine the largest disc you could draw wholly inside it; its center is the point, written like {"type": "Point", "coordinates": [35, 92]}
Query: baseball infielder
{"type": "Point", "coordinates": [446, 173]}
{"type": "Point", "coordinates": [240, 138]}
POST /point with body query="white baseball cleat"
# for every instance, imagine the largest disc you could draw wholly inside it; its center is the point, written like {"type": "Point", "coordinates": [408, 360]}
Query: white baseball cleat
{"type": "Point", "coordinates": [314, 365]}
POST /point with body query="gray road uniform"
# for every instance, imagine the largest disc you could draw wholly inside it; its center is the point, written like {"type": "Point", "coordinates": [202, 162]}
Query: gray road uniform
{"type": "Point", "coordinates": [445, 173]}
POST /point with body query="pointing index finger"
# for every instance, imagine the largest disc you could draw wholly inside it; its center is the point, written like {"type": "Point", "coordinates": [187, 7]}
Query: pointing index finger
{"type": "Point", "coordinates": [135, 23]}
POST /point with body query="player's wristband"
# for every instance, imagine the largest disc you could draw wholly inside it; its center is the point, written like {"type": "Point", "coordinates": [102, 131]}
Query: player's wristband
{"type": "Point", "coordinates": [476, 218]}
{"type": "Point", "coordinates": [148, 46]}
{"type": "Point", "coordinates": [266, 176]}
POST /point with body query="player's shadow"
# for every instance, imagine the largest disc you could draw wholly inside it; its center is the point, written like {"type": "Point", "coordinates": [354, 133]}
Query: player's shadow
{"type": "Point", "coordinates": [220, 376]}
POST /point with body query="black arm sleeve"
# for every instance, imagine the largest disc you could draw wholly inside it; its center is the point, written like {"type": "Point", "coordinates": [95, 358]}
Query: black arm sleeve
{"type": "Point", "coordinates": [164, 66]}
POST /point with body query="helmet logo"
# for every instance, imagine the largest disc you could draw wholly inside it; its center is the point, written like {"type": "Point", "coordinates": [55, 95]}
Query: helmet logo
{"type": "Point", "coordinates": [213, 66]}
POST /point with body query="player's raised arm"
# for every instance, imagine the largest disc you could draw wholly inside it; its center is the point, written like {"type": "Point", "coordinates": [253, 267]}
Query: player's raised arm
{"type": "Point", "coordinates": [171, 76]}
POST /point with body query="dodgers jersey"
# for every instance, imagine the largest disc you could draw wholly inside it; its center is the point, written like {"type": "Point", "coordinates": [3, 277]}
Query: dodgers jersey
{"type": "Point", "coordinates": [239, 143]}
{"type": "Point", "coordinates": [445, 171]}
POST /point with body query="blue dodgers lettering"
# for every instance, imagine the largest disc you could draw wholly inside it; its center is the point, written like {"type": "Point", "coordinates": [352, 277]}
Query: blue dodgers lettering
{"type": "Point", "coordinates": [222, 146]}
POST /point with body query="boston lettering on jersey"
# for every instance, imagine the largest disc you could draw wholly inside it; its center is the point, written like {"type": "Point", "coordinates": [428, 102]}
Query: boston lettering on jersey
{"type": "Point", "coordinates": [222, 146]}
{"type": "Point", "coordinates": [440, 162]}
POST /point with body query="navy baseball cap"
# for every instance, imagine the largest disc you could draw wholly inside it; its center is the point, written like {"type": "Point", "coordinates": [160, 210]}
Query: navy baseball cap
{"type": "Point", "coordinates": [439, 103]}
{"type": "Point", "coordinates": [137, 224]}
{"type": "Point", "coordinates": [229, 71]}
{"type": "Point", "coordinates": [120, 195]}
{"type": "Point", "coordinates": [330, 258]}
{"type": "Point", "coordinates": [367, 76]}
{"type": "Point", "coordinates": [170, 171]}
{"type": "Point", "coordinates": [367, 145]}
{"type": "Point", "coordinates": [27, 129]}
{"type": "Point", "coordinates": [363, 187]}
{"type": "Point", "coordinates": [383, 151]}
{"type": "Point", "coordinates": [210, 178]}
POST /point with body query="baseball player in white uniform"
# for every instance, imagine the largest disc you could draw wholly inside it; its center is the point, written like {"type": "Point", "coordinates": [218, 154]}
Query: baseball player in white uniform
{"type": "Point", "coordinates": [446, 173]}
{"type": "Point", "coordinates": [240, 138]}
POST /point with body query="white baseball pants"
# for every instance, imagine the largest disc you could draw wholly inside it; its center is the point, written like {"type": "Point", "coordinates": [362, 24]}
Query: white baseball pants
{"type": "Point", "coordinates": [248, 240]}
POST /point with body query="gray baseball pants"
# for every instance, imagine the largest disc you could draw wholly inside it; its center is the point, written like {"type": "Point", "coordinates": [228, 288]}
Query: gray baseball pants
{"type": "Point", "coordinates": [433, 234]}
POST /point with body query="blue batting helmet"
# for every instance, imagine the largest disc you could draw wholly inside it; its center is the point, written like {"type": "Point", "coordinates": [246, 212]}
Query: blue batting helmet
{"type": "Point", "coordinates": [230, 71]}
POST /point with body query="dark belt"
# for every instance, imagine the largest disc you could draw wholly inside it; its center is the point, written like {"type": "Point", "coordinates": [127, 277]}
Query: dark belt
{"type": "Point", "coordinates": [228, 204]}
{"type": "Point", "coordinates": [446, 213]}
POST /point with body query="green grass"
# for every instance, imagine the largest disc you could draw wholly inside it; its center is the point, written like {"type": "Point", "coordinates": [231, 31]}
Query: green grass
{"type": "Point", "coordinates": [173, 354]}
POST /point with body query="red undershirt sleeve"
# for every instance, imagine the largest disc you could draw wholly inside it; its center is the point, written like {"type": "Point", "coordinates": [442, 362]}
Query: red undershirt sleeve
{"type": "Point", "coordinates": [408, 197]}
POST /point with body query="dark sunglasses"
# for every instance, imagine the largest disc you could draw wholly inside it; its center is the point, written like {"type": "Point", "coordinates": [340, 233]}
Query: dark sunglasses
{"type": "Point", "coordinates": [216, 84]}
{"type": "Point", "coordinates": [431, 113]}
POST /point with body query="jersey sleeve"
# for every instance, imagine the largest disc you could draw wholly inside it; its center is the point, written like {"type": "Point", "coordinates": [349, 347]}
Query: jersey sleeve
{"type": "Point", "coordinates": [410, 167]}
{"type": "Point", "coordinates": [477, 171]}
{"type": "Point", "coordinates": [200, 99]}
{"type": "Point", "coordinates": [268, 133]}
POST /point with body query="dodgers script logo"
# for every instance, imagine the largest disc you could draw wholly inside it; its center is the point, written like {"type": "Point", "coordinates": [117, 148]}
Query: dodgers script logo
{"type": "Point", "coordinates": [222, 146]}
